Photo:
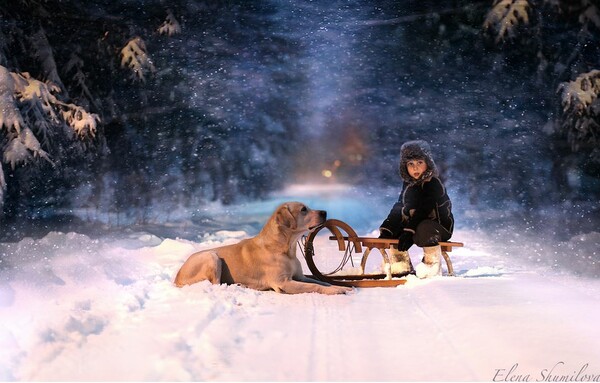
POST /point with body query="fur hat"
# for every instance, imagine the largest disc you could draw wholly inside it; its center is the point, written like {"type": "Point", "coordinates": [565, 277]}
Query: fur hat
{"type": "Point", "coordinates": [418, 149]}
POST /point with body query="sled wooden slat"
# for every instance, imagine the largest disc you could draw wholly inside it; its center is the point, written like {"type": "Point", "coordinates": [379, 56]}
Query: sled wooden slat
{"type": "Point", "coordinates": [385, 243]}
{"type": "Point", "coordinates": [354, 277]}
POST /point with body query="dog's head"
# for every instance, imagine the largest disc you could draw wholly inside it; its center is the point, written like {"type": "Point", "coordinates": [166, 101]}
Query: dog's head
{"type": "Point", "coordinates": [298, 217]}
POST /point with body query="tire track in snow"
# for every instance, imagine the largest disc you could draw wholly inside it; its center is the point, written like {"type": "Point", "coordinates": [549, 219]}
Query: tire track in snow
{"type": "Point", "coordinates": [325, 340]}
{"type": "Point", "coordinates": [423, 300]}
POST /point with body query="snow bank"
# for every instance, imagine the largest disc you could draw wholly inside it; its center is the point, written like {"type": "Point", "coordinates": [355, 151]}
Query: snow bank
{"type": "Point", "coordinates": [76, 308]}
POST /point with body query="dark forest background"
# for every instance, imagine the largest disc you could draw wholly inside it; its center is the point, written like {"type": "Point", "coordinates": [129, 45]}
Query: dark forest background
{"type": "Point", "coordinates": [230, 100]}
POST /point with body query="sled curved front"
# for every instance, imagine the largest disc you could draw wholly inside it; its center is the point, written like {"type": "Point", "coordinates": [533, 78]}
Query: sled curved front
{"type": "Point", "coordinates": [347, 243]}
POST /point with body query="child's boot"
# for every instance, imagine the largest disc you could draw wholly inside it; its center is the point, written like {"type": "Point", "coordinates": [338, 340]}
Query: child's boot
{"type": "Point", "coordinates": [431, 266]}
{"type": "Point", "coordinates": [400, 262]}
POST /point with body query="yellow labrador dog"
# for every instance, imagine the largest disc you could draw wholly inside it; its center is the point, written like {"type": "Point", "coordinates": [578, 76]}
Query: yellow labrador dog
{"type": "Point", "coordinates": [265, 262]}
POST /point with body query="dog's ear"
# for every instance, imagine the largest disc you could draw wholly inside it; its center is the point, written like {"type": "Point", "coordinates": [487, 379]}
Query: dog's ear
{"type": "Point", "coordinates": [285, 217]}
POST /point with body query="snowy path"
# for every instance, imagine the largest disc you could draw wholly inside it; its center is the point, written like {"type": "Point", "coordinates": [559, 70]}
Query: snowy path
{"type": "Point", "coordinates": [76, 308]}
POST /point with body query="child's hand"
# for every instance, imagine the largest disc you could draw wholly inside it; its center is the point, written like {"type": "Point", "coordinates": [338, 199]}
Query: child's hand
{"type": "Point", "coordinates": [405, 241]}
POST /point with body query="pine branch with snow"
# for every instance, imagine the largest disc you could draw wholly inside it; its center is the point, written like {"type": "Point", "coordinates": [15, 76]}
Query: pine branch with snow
{"type": "Point", "coordinates": [28, 105]}
{"type": "Point", "coordinates": [170, 26]}
{"type": "Point", "coordinates": [83, 123]}
{"type": "Point", "coordinates": [504, 17]}
{"type": "Point", "coordinates": [581, 111]}
{"type": "Point", "coordinates": [22, 148]}
{"type": "Point", "coordinates": [135, 57]}
{"type": "Point", "coordinates": [10, 116]}
{"type": "Point", "coordinates": [42, 109]}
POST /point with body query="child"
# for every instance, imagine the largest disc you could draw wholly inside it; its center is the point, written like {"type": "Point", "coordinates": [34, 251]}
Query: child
{"type": "Point", "coordinates": [423, 213]}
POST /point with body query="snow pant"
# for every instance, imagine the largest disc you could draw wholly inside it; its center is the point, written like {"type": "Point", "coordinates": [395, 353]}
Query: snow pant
{"type": "Point", "coordinates": [429, 233]}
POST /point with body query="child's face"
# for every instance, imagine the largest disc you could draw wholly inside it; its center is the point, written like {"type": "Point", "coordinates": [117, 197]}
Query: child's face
{"type": "Point", "coordinates": [416, 168]}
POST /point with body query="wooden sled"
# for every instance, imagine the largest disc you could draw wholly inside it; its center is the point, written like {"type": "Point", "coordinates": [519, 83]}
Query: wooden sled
{"type": "Point", "coordinates": [352, 243]}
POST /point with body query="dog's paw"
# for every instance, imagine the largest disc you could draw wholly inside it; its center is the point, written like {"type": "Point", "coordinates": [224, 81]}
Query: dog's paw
{"type": "Point", "coordinates": [343, 290]}
{"type": "Point", "coordinates": [350, 290]}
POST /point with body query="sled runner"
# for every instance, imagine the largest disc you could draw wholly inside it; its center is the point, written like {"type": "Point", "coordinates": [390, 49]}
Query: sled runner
{"type": "Point", "coordinates": [351, 243]}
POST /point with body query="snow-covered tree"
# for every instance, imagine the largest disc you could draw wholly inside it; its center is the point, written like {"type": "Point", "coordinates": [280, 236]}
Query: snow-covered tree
{"type": "Point", "coordinates": [220, 101]}
{"type": "Point", "coordinates": [506, 16]}
{"type": "Point", "coordinates": [28, 105]}
{"type": "Point", "coordinates": [169, 102]}
{"type": "Point", "coordinates": [564, 36]}
{"type": "Point", "coordinates": [135, 57]}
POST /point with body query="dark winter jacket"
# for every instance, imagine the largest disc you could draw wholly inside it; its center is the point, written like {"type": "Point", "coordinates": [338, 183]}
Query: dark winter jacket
{"type": "Point", "coordinates": [424, 198]}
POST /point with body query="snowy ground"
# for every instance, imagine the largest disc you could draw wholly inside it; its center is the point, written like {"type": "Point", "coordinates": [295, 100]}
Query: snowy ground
{"type": "Point", "coordinates": [77, 307]}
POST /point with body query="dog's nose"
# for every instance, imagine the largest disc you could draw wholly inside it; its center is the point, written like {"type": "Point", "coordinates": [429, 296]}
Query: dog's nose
{"type": "Point", "coordinates": [323, 214]}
